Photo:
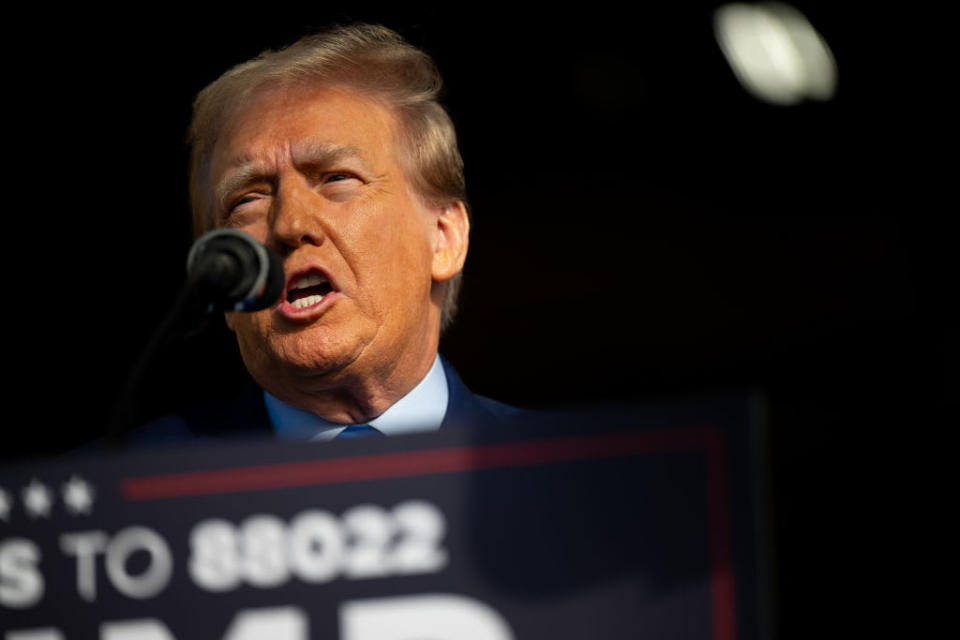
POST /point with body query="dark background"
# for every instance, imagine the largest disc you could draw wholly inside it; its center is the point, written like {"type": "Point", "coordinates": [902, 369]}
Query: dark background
{"type": "Point", "coordinates": [642, 227]}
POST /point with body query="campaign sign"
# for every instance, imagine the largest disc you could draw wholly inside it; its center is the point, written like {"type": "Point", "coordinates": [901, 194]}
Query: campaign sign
{"type": "Point", "coordinates": [639, 523]}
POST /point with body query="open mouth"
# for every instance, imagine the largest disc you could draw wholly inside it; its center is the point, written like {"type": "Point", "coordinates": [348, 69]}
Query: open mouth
{"type": "Point", "coordinates": [307, 290]}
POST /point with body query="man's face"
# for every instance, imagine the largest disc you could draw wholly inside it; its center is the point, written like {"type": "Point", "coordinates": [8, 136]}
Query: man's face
{"type": "Point", "coordinates": [314, 174]}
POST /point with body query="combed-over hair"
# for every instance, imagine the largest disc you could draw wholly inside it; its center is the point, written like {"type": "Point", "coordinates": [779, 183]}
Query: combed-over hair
{"type": "Point", "coordinates": [370, 59]}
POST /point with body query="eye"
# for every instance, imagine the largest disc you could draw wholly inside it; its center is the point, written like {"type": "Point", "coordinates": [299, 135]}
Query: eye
{"type": "Point", "coordinates": [340, 186]}
{"type": "Point", "coordinates": [339, 176]}
{"type": "Point", "coordinates": [242, 200]}
{"type": "Point", "coordinates": [243, 209]}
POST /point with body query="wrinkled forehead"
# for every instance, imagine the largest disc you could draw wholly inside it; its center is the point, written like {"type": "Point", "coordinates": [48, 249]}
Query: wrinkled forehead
{"type": "Point", "coordinates": [306, 119]}
{"type": "Point", "coordinates": [302, 119]}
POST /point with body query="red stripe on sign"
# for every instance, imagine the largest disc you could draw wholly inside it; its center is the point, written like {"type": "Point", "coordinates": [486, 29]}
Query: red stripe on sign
{"type": "Point", "coordinates": [721, 557]}
{"type": "Point", "coordinates": [459, 459]}
{"type": "Point", "coordinates": [413, 463]}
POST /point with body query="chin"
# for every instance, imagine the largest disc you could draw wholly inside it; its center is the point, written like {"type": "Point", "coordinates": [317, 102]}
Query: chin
{"type": "Point", "coordinates": [313, 355]}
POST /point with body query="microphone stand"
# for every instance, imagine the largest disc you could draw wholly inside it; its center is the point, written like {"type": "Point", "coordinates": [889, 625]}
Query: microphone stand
{"type": "Point", "coordinates": [124, 413]}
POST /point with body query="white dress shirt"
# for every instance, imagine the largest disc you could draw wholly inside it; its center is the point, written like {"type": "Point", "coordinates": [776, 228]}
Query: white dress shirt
{"type": "Point", "coordinates": [422, 409]}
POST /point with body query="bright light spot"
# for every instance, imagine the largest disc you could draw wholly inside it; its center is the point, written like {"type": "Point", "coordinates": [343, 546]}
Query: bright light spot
{"type": "Point", "coordinates": [775, 52]}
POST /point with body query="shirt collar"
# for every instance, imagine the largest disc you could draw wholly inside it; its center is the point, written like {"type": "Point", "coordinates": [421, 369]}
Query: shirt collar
{"type": "Point", "coordinates": [422, 409]}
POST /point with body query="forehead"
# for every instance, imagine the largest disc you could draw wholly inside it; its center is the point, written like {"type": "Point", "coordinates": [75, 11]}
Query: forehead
{"type": "Point", "coordinates": [276, 123]}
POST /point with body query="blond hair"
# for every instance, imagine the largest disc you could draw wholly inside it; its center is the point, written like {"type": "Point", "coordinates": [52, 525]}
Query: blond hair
{"type": "Point", "coordinates": [370, 59]}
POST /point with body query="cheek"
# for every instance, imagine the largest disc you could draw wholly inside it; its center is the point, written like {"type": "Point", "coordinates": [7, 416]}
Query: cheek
{"type": "Point", "coordinates": [389, 249]}
{"type": "Point", "coordinates": [247, 325]}
{"type": "Point", "coordinates": [257, 343]}
{"type": "Point", "coordinates": [403, 258]}
{"type": "Point", "coordinates": [256, 225]}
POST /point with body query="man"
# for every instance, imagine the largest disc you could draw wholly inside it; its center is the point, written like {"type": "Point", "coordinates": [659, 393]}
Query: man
{"type": "Point", "coordinates": [335, 153]}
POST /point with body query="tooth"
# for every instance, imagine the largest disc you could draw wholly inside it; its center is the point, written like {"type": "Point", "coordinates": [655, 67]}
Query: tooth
{"type": "Point", "coordinates": [302, 303]}
{"type": "Point", "coordinates": [309, 281]}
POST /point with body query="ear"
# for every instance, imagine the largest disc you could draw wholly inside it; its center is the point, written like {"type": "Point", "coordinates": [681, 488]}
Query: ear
{"type": "Point", "coordinates": [450, 239]}
{"type": "Point", "coordinates": [229, 318]}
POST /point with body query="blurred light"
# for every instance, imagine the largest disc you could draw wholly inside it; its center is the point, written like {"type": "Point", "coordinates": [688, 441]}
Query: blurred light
{"type": "Point", "coordinates": [775, 52]}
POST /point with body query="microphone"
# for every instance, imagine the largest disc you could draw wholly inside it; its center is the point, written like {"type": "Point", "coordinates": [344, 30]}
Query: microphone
{"type": "Point", "coordinates": [230, 271]}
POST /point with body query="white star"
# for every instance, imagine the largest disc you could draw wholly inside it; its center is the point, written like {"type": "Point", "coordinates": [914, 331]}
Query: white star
{"type": "Point", "coordinates": [37, 499]}
{"type": "Point", "coordinates": [77, 495]}
{"type": "Point", "coordinates": [5, 504]}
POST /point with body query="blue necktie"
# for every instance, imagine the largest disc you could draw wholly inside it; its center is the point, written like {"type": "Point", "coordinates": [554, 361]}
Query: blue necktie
{"type": "Point", "coordinates": [358, 431]}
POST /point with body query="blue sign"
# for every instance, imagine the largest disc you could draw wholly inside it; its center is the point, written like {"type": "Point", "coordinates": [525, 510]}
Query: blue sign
{"type": "Point", "coordinates": [639, 523]}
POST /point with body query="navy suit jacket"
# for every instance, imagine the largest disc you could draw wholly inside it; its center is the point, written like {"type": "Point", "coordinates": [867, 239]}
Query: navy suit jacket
{"type": "Point", "coordinates": [245, 415]}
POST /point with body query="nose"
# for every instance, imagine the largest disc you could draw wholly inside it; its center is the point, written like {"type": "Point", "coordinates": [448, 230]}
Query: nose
{"type": "Point", "coordinates": [295, 218]}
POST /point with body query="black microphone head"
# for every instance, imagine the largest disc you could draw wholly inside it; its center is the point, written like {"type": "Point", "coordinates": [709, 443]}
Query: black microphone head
{"type": "Point", "coordinates": [230, 271]}
{"type": "Point", "coordinates": [273, 287]}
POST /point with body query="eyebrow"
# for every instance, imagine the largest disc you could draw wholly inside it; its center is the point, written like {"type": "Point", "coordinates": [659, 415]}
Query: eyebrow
{"type": "Point", "coordinates": [248, 169]}
{"type": "Point", "coordinates": [310, 152]}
